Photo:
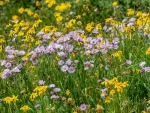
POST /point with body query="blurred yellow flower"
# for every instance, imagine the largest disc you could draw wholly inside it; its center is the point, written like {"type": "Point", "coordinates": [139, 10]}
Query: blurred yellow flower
{"type": "Point", "coordinates": [14, 98]}
{"type": "Point", "coordinates": [15, 18]}
{"type": "Point", "coordinates": [21, 10]}
{"type": "Point", "coordinates": [8, 100]}
{"type": "Point", "coordinates": [67, 92]}
{"type": "Point", "coordinates": [77, 1]}
{"type": "Point", "coordinates": [99, 108]}
{"type": "Point", "coordinates": [1, 3]}
{"type": "Point", "coordinates": [130, 12]}
{"type": "Point", "coordinates": [78, 16]}
{"type": "Point", "coordinates": [25, 108]}
{"type": "Point", "coordinates": [1, 48]}
{"type": "Point", "coordinates": [89, 27]}
{"type": "Point", "coordinates": [50, 3]}
{"type": "Point", "coordinates": [33, 96]}
{"type": "Point", "coordinates": [63, 7]}
{"type": "Point", "coordinates": [37, 3]}
{"type": "Point", "coordinates": [112, 92]}
{"type": "Point", "coordinates": [148, 51]}
{"type": "Point", "coordinates": [74, 112]}
{"type": "Point", "coordinates": [107, 99]}
{"type": "Point", "coordinates": [143, 111]}
{"type": "Point", "coordinates": [115, 3]}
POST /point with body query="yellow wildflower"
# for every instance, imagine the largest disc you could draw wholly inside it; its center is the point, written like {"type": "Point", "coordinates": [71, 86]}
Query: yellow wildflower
{"type": "Point", "coordinates": [112, 92]}
{"type": "Point", "coordinates": [78, 16]}
{"type": "Point", "coordinates": [1, 48]}
{"type": "Point", "coordinates": [50, 3]}
{"type": "Point", "coordinates": [33, 96]}
{"type": "Point", "coordinates": [1, 3]}
{"type": "Point", "coordinates": [25, 108]}
{"type": "Point", "coordinates": [37, 3]}
{"type": "Point", "coordinates": [143, 112]}
{"type": "Point", "coordinates": [107, 99]}
{"type": "Point", "coordinates": [148, 51]}
{"type": "Point", "coordinates": [130, 12]}
{"type": "Point", "coordinates": [67, 92]}
{"type": "Point", "coordinates": [124, 84]}
{"type": "Point", "coordinates": [37, 42]}
{"type": "Point", "coordinates": [20, 33]}
{"type": "Point", "coordinates": [89, 27]}
{"type": "Point", "coordinates": [63, 7]}
{"type": "Point", "coordinates": [14, 98]}
{"type": "Point", "coordinates": [115, 3]}
{"type": "Point", "coordinates": [74, 112]}
{"type": "Point", "coordinates": [15, 18]}
{"type": "Point", "coordinates": [8, 100]}
{"type": "Point", "coordinates": [21, 10]}
{"type": "Point", "coordinates": [8, 25]}
{"type": "Point", "coordinates": [77, 1]}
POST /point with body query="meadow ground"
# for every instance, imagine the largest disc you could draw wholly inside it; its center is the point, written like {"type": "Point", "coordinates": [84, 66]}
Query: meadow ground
{"type": "Point", "coordinates": [75, 56]}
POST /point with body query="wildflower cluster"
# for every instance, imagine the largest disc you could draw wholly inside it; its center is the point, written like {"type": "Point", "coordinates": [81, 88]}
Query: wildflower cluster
{"type": "Point", "coordinates": [9, 100]}
{"type": "Point", "coordinates": [38, 91]}
{"type": "Point", "coordinates": [112, 86]}
{"type": "Point", "coordinates": [74, 47]}
{"type": "Point", "coordinates": [62, 7]}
